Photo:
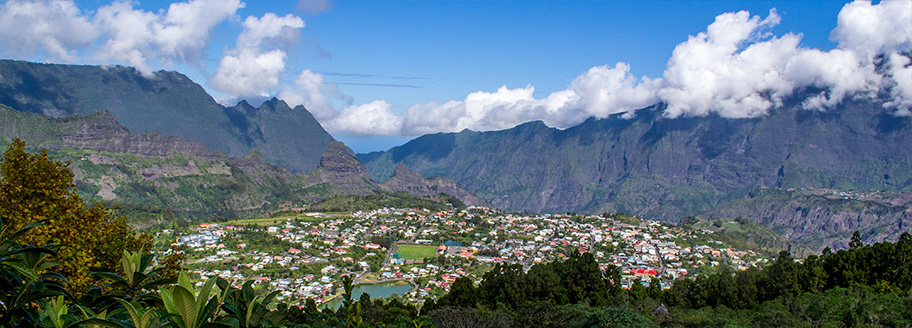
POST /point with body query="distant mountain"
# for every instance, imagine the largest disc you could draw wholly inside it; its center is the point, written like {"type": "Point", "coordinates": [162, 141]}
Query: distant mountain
{"type": "Point", "coordinates": [661, 168]}
{"type": "Point", "coordinates": [170, 103]}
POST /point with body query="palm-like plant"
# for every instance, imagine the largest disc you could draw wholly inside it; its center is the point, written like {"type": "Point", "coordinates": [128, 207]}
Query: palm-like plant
{"type": "Point", "coordinates": [195, 311]}
{"type": "Point", "coordinates": [23, 278]}
{"type": "Point", "coordinates": [138, 282]}
{"type": "Point", "coordinates": [56, 314]}
{"type": "Point", "coordinates": [141, 317]}
{"type": "Point", "coordinates": [249, 309]}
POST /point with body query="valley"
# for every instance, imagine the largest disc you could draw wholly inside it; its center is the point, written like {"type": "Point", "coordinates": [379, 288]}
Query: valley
{"type": "Point", "coordinates": [305, 255]}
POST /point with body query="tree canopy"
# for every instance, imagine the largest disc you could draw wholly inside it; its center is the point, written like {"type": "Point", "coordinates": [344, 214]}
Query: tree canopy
{"type": "Point", "coordinates": [91, 237]}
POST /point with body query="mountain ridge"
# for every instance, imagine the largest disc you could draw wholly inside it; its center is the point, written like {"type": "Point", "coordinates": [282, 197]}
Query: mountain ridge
{"type": "Point", "coordinates": [667, 168]}
{"type": "Point", "coordinates": [170, 103]}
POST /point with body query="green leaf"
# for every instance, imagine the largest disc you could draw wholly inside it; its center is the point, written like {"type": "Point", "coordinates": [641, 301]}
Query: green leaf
{"type": "Point", "coordinates": [185, 306]}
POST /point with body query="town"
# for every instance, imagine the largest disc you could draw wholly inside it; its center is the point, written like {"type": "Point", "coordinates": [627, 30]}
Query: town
{"type": "Point", "coordinates": [418, 253]}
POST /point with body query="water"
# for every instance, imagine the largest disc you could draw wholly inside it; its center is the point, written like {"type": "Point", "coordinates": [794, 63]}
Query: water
{"type": "Point", "coordinates": [375, 290]}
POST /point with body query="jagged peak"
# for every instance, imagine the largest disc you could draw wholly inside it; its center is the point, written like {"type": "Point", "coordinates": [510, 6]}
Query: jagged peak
{"type": "Point", "coordinates": [338, 155]}
{"type": "Point", "coordinates": [403, 171]}
{"type": "Point", "coordinates": [253, 154]}
{"type": "Point", "coordinates": [275, 104]}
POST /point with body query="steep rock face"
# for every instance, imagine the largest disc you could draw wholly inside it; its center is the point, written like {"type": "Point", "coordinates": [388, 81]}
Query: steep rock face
{"type": "Point", "coordinates": [662, 168]}
{"type": "Point", "coordinates": [407, 180]}
{"type": "Point", "coordinates": [825, 218]}
{"type": "Point", "coordinates": [105, 134]}
{"type": "Point", "coordinates": [149, 173]}
{"type": "Point", "coordinates": [170, 103]}
{"type": "Point", "coordinates": [340, 168]}
{"type": "Point", "coordinates": [99, 131]}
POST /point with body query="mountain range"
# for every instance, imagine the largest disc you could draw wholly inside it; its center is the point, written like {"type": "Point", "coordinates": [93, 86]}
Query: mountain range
{"type": "Point", "coordinates": [669, 168]}
{"type": "Point", "coordinates": [170, 103]}
{"type": "Point", "coordinates": [161, 143]}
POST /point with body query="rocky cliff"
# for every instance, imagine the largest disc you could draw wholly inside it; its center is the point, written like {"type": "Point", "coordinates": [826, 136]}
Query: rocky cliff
{"type": "Point", "coordinates": [340, 169]}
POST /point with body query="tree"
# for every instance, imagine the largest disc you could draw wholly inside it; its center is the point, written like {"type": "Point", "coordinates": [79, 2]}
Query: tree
{"type": "Point", "coordinates": [856, 242]}
{"type": "Point", "coordinates": [35, 187]}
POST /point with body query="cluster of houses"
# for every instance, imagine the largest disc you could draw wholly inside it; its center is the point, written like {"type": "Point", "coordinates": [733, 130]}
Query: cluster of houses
{"type": "Point", "coordinates": [314, 253]}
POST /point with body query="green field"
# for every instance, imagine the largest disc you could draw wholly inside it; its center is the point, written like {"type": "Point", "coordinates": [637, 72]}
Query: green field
{"type": "Point", "coordinates": [416, 252]}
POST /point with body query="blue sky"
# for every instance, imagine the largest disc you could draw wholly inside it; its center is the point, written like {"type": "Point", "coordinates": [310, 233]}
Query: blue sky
{"type": "Point", "coordinates": [377, 73]}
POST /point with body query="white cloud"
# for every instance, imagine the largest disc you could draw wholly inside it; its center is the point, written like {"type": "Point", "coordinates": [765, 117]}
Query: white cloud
{"type": "Point", "coordinates": [599, 92]}
{"type": "Point", "coordinates": [270, 29]}
{"type": "Point", "coordinates": [870, 29]}
{"type": "Point", "coordinates": [603, 91]}
{"type": "Point", "coordinates": [249, 72]}
{"type": "Point", "coordinates": [374, 118]}
{"type": "Point", "coordinates": [258, 62]}
{"type": "Point", "coordinates": [179, 34]}
{"type": "Point", "coordinates": [708, 73]}
{"type": "Point", "coordinates": [145, 40]}
{"type": "Point", "coordinates": [900, 68]}
{"type": "Point", "coordinates": [55, 28]}
{"type": "Point", "coordinates": [315, 95]}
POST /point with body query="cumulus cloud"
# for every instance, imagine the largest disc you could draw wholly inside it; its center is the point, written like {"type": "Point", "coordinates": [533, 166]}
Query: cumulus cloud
{"type": "Point", "coordinates": [258, 62]}
{"type": "Point", "coordinates": [181, 33]}
{"type": "Point", "coordinates": [310, 90]}
{"type": "Point", "coordinates": [736, 69]}
{"type": "Point", "coordinates": [50, 27]}
{"type": "Point", "coordinates": [142, 39]}
{"type": "Point", "coordinates": [900, 68]}
{"type": "Point", "coordinates": [600, 92]}
{"type": "Point", "coordinates": [374, 118]}
{"type": "Point", "coordinates": [869, 29]}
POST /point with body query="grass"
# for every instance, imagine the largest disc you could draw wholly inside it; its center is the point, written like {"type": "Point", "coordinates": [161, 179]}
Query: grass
{"type": "Point", "coordinates": [416, 252]}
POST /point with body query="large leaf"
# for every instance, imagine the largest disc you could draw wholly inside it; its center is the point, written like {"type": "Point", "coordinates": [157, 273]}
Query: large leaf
{"type": "Point", "coordinates": [185, 306]}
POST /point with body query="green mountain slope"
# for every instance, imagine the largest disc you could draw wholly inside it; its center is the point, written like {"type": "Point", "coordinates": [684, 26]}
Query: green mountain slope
{"type": "Point", "coordinates": [170, 103]}
{"type": "Point", "coordinates": [662, 168]}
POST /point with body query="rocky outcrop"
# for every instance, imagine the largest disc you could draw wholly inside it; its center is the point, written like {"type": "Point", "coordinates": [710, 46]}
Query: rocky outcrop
{"type": "Point", "coordinates": [102, 132]}
{"type": "Point", "coordinates": [407, 180]}
{"type": "Point", "coordinates": [340, 168]}
{"type": "Point", "coordinates": [99, 131]}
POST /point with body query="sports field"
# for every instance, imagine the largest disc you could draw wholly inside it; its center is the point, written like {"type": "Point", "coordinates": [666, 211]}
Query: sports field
{"type": "Point", "coordinates": [416, 252]}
